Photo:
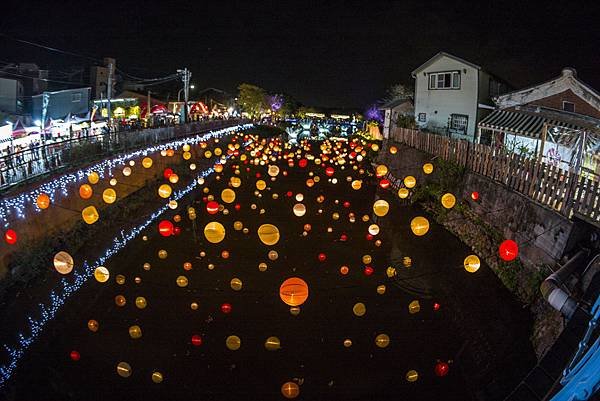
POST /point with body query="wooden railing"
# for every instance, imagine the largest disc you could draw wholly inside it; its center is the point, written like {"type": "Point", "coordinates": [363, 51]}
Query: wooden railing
{"type": "Point", "coordinates": [566, 192]}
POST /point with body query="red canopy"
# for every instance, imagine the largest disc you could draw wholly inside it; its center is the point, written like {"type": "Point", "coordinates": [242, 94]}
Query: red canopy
{"type": "Point", "coordinates": [156, 109]}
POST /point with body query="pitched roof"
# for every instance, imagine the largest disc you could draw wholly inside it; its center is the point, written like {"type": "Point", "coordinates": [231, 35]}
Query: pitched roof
{"type": "Point", "coordinates": [442, 54]}
{"type": "Point", "coordinates": [567, 80]}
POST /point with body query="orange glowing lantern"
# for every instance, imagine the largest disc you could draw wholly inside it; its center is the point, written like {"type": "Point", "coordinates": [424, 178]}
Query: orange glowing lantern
{"type": "Point", "coordinates": [293, 291]}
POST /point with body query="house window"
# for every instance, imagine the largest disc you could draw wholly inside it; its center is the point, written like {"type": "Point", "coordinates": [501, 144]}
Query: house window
{"type": "Point", "coordinates": [76, 97]}
{"type": "Point", "coordinates": [444, 80]}
{"type": "Point", "coordinates": [422, 117]}
{"type": "Point", "coordinates": [568, 106]}
{"type": "Point", "coordinates": [459, 123]}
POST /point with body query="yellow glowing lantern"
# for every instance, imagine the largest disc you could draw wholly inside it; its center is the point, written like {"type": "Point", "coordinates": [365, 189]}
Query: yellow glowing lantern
{"type": "Point", "coordinates": [124, 369]}
{"type": "Point", "coordinates": [127, 171]}
{"type": "Point", "coordinates": [268, 234]}
{"type": "Point", "coordinates": [85, 191]}
{"type": "Point", "coordinates": [228, 195]}
{"type": "Point", "coordinates": [147, 162]}
{"type": "Point", "coordinates": [366, 259]}
{"type": "Point", "coordinates": [472, 263]}
{"type": "Point", "coordinates": [235, 182]}
{"type": "Point", "coordinates": [273, 255]}
{"type": "Point", "coordinates": [260, 185]}
{"type": "Point", "coordinates": [233, 343]}
{"type": "Point", "coordinates": [381, 207]}
{"type": "Point", "coordinates": [43, 201]}
{"type": "Point", "coordinates": [214, 232]}
{"type": "Point", "coordinates": [187, 155]}
{"type": "Point", "coordinates": [162, 254]}
{"type": "Point", "coordinates": [410, 181]}
{"type": "Point", "coordinates": [182, 281]}
{"type": "Point", "coordinates": [393, 150]}
{"type": "Point", "coordinates": [403, 193]}
{"type": "Point", "coordinates": [381, 170]}
{"type": "Point", "coordinates": [157, 377]}
{"type": "Point", "coordinates": [381, 289]}
{"type": "Point", "coordinates": [412, 376]}
{"type": "Point", "coordinates": [382, 340]}
{"type": "Point", "coordinates": [63, 262]}
{"type": "Point", "coordinates": [218, 167]}
{"type": "Point", "coordinates": [272, 344]}
{"type": "Point", "coordinates": [273, 171]}
{"type": "Point", "coordinates": [299, 210]}
{"type": "Point", "coordinates": [109, 195]}
{"type": "Point", "coordinates": [120, 300]}
{"type": "Point", "coordinates": [238, 225]}
{"type": "Point", "coordinates": [419, 226]}
{"type": "Point", "coordinates": [359, 309]}
{"type": "Point", "coordinates": [140, 302]}
{"type": "Point", "coordinates": [93, 178]}
{"type": "Point", "coordinates": [164, 191]}
{"type": "Point", "coordinates": [135, 332]}
{"type": "Point", "coordinates": [310, 183]}
{"type": "Point", "coordinates": [390, 272]}
{"type": "Point", "coordinates": [448, 200]}
{"type": "Point", "coordinates": [414, 307]}
{"type": "Point", "coordinates": [428, 168]}
{"type": "Point", "coordinates": [90, 214]}
{"type": "Point", "coordinates": [236, 284]}
{"type": "Point", "coordinates": [120, 279]}
{"type": "Point", "coordinates": [93, 325]}
{"type": "Point", "coordinates": [347, 343]}
{"type": "Point", "coordinates": [101, 274]}
{"type": "Point", "coordinates": [373, 229]}
{"type": "Point", "coordinates": [356, 185]}
{"type": "Point", "coordinates": [186, 147]}
{"type": "Point", "coordinates": [290, 390]}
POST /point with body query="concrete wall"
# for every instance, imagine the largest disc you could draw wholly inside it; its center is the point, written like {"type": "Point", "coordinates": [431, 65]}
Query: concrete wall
{"type": "Point", "coordinates": [438, 104]}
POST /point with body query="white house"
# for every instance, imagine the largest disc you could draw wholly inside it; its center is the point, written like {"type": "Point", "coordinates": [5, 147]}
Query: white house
{"type": "Point", "coordinates": [393, 110]}
{"type": "Point", "coordinates": [452, 95]}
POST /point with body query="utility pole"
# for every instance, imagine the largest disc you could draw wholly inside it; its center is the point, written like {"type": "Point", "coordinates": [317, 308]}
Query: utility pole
{"type": "Point", "coordinates": [148, 111]}
{"type": "Point", "coordinates": [186, 75]}
{"type": "Point", "coordinates": [109, 91]}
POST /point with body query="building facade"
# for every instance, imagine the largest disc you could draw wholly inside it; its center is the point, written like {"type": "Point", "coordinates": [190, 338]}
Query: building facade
{"type": "Point", "coordinates": [452, 95]}
{"type": "Point", "coordinates": [11, 96]}
{"type": "Point", "coordinates": [61, 104]}
{"type": "Point", "coordinates": [394, 111]}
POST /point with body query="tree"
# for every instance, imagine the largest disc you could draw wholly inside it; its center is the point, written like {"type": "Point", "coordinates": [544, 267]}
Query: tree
{"type": "Point", "coordinates": [252, 99]}
{"type": "Point", "coordinates": [399, 91]}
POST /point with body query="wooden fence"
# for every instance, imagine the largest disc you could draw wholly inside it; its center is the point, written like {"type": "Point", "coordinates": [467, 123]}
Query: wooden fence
{"type": "Point", "coordinates": [566, 192]}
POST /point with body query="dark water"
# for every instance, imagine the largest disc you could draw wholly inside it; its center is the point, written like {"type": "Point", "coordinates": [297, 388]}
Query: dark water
{"type": "Point", "coordinates": [473, 306]}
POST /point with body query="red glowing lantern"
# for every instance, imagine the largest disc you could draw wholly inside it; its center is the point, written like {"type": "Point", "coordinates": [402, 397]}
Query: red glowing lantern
{"type": "Point", "coordinates": [343, 238]}
{"type": "Point", "coordinates": [436, 306]}
{"type": "Point", "coordinates": [346, 204]}
{"type": "Point", "coordinates": [168, 172]}
{"type": "Point", "coordinates": [10, 236]}
{"type": "Point", "coordinates": [257, 175]}
{"type": "Point", "coordinates": [329, 171]}
{"type": "Point", "coordinates": [508, 250]}
{"type": "Point", "coordinates": [75, 356]}
{"type": "Point", "coordinates": [177, 230]}
{"type": "Point", "coordinates": [368, 270]}
{"type": "Point", "coordinates": [322, 257]}
{"type": "Point", "coordinates": [237, 207]}
{"type": "Point", "coordinates": [226, 308]}
{"type": "Point", "coordinates": [441, 369]}
{"type": "Point", "coordinates": [384, 183]}
{"type": "Point", "coordinates": [289, 194]}
{"type": "Point", "coordinates": [303, 163]}
{"type": "Point", "coordinates": [344, 270]}
{"type": "Point", "coordinates": [369, 237]}
{"type": "Point", "coordinates": [166, 228]}
{"type": "Point", "coordinates": [212, 207]}
{"type": "Point", "coordinates": [196, 340]}
{"type": "Point", "coordinates": [475, 195]}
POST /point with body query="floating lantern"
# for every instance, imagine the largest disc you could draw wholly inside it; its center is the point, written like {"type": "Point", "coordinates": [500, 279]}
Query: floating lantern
{"type": "Point", "coordinates": [120, 300]}
{"type": "Point", "coordinates": [344, 270]}
{"type": "Point", "coordinates": [93, 325]}
{"type": "Point", "coordinates": [196, 340]}
{"type": "Point", "coordinates": [441, 369]}
{"type": "Point", "coordinates": [63, 262]}
{"type": "Point", "coordinates": [226, 308]}
{"type": "Point", "coordinates": [90, 214]}
{"type": "Point", "coordinates": [508, 250]}
{"type": "Point", "coordinates": [329, 171]}
{"type": "Point", "coordinates": [414, 307]}
{"type": "Point", "coordinates": [273, 255]}
{"type": "Point", "coordinates": [299, 210]}
{"type": "Point", "coordinates": [85, 191]}
{"type": "Point", "coordinates": [182, 281]}
{"type": "Point", "coordinates": [293, 291]}
{"type": "Point", "coordinates": [419, 226]}
{"type": "Point", "coordinates": [273, 171]}
{"type": "Point", "coordinates": [381, 170]}
{"type": "Point", "coordinates": [390, 272]}
{"type": "Point", "coordinates": [166, 228]}
{"type": "Point", "coordinates": [322, 257]}
{"type": "Point", "coordinates": [262, 266]}
{"type": "Point", "coordinates": [359, 309]}
{"type": "Point", "coordinates": [347, 343]}
{"type": "Point", "coordinates": [127, 171]}
{"type": "Point", "coordinates": [187, 155]}
{"type": "Point", "coordinates": [113, 181]}
{"type": "Point", "coordinates": [272, 344]}
{"type": "Point", "coordinates": [101, 274]}
{"type": "Point", "coordinates": [236, 284]}
{"type": "Point", "coordinates": [381, 289]}
{"type": "Point", "coordinates": [228, 195]}
{"type": "Point", "coordinates": [135, 332]}
{"type": "Point", "coordinates": [290, 390]}
{"type": "Point", "coordinates": [384, 183]}
{"type": "Point", "coordinates": [162, 254]}
{"type": "Point", "coordinates": [410, 181]}
{"type": "Point", "coordinates": [10, 236]}
{"type": "Point", "coordinates": [147, 162]}
{"type": "Point", "coordinates": [261, 185]}
{"type": "Point", "coordinates": [214, 232]}
{"type": "Point", "coordinates": [235, 182]}
{"type": "Point", "coordinates": [475, 195]}
{"type": "Point", "coordinates": [393, 150]}
{"type": "Point", "coordinates": [212, 207]}
{"type": "Point", "coordinates": [109, 196]}
{"type": "Point", "coordinates": [412, 376]}
{"type": "Point", "coordinates": [124, 369]}
{"type": "Point", "coordinates": [472, 263]}
{"type": "Point", "coordinates": [93, 178]}
{"type": "Point", "coordinates": [157, 377]}
{"type": "Point", "coordinates": [381, 207]}
{"type": "Point", "coordinates": [164, 191]}
{"type": "Point", "coordinates": [428, 168]}
{"type": "Point", "coordinates": [43, 201]}
{"type": "Point", "coordinates": [173, 178]}
{"type": "Point", "coordinates": [268, 234]}
{"type": "Point", "coordinates": [382, 340]}
{"type": "Point", "coordinates": [75, 356]}
{"type": "Point", "coordinates": [373, 229]}
{"type": "Point", "coordinates": [403, 193]}
{"type": "Point", "coordinates": [356, 185]}
{"type": "Point", "coordinates": [448, 200]}
{"type": "Point", "coordinates": [233, 343]}
{"type": "Point", "coordinates": [140, 302]}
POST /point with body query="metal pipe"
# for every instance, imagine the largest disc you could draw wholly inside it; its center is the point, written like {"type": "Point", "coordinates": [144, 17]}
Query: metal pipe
{"type": "Point", "coordinates": [552, 287]}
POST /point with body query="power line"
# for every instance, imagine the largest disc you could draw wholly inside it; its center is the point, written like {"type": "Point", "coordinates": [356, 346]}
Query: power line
{"type": "Point", "coordinates": [42, 79]}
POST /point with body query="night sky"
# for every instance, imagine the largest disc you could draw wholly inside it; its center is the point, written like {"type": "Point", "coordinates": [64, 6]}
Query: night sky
{"type": "Point", "coordinates": [325, 53]}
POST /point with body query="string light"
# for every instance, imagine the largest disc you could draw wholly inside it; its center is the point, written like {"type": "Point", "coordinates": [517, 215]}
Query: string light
{"type": "Point", "coordinates": [17, 205]}
{"type": "Point", "coordinates": [59, 297]}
